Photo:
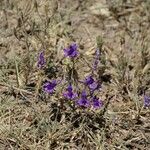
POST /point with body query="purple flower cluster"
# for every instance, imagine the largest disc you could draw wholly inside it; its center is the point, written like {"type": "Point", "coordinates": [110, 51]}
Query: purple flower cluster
{"type": "Point", "coordinates": [84, 100]}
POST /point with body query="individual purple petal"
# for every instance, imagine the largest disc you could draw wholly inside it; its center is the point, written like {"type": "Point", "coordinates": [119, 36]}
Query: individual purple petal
{"type": "Point", "coordinates": [94, 86]}
{"type": "Point", "coordinates": [96, 103]}
{"type": "Point", "coordinates": [66, 52]}
{"type": "Point", "coordinates": [71, 51]}
{"type": "Point", "coordinates": [73, 46]}
{"type": "Point", "coordinates": [41, 60]}
{"type": "Point", "coordinates": [49, 87]}
{"type": "Point", "coordinates": [83, 94]}
{"type": "Point", "coordinates": [146, 101]}
{"type": "Point", "coordinates": [69, 88]}
{"type": "Point", "coordinates": [69, 94]}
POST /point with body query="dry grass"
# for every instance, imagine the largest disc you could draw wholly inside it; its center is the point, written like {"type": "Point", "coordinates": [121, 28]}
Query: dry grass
{"type": "Point", "coordinates": [31, 120]}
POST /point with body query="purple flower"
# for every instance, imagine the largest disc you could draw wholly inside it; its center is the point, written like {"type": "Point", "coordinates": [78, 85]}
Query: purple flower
{"type": "Point", "coordinates": [49, 86]}
{"type": "Point", "coordinates": [146, 101]}
{"type": "Point", "coordinates": [94, 86]}
{"type": "Point", "coordinates": [71, 51]}
{"type": "Point", "coordinates": [83, 102]}
{"type": "Point", "coordinates": [91, 83]}
{"type": "Point", "coordinates": [41, 60]}
{"type": "Point", "coordinates": [89, 80]}
{"type": "Point", "coordinates": [69, 94]}
{"type": "Point", "coordinates": [96, 60]}
{"type": "Point", "coordinates": [96, 103]}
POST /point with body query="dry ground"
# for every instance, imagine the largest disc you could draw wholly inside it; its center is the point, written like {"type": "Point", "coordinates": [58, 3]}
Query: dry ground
{"type": "Point", "coordinates": [28, 119]}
